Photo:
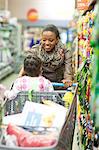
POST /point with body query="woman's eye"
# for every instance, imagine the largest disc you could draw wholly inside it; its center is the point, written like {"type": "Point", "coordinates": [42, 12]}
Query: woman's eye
{"type": "Point", "coordinates": [51, 40]}
{"type": "Point", "coordinates": [43, 40]}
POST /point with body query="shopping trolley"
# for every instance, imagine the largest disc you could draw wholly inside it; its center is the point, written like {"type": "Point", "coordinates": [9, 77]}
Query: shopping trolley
{"type": "Point", "coordinates": [66, 136]}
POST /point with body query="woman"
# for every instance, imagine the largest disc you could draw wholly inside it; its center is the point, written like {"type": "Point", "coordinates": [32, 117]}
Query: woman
{"type": "Point", "coordinates": [56, 59]}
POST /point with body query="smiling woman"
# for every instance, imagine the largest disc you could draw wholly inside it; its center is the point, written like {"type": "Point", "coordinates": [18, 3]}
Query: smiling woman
{"type": "Point", "coordinates": [55, 57]}
{"type": "Point", "coordinates": [49, 38]}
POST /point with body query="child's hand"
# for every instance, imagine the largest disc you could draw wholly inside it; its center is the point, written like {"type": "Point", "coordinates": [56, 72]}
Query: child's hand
{"type": "Point", "coordinates": [10, 95]}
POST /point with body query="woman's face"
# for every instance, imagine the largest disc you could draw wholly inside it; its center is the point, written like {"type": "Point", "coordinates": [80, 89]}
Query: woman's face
{"type": "Point", "coordinates": [49, 40]}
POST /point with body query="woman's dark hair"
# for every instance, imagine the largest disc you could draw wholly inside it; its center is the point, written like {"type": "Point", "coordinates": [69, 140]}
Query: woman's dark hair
{"type": "Point", "coordinates": [52, 28]}
{"type": "Point", "coordinates": [32, 66]}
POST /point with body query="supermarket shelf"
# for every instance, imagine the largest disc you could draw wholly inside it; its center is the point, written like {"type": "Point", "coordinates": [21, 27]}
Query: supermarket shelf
{"type": "Point", "coordinates": [81, 66]}
{"type": "Point", "coordinates": [42, 23]}
{"type": "Point", "coordinates": [5, 70]}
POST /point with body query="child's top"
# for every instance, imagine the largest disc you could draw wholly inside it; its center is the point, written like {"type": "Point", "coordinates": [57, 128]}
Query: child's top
{"type": "Point", "coordinates": [26, 83]}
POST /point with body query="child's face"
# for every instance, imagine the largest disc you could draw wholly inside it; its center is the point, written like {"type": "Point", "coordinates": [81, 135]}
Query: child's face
{"type": "Point", "coordinates": [49, 40]}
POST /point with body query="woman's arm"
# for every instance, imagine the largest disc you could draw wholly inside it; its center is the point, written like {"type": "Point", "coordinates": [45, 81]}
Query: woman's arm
{"type": "Point", "coordinates": [68, 73]}
{"type": "Point", "coordinates": [22, 72]}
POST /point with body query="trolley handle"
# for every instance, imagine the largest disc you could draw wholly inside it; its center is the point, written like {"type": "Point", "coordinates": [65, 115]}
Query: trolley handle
{"type": "Point", "coordinates": [56, 84]}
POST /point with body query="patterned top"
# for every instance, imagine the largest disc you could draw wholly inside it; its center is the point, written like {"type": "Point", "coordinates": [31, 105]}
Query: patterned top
{"type": "Point", "coordinates": [26, 83]}
{"type": "Point", "coordinates": [56, 65]}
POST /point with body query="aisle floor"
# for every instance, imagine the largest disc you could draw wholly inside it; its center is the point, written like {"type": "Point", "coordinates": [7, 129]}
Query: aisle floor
{"type": "Point", "coordinates": [8, 81]}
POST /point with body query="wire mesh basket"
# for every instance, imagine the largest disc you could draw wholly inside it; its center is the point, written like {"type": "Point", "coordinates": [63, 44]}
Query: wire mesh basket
{"type": "Point", "coordinates": [16, 105]}
{"type": "Point", "coordinates": [67, 132]}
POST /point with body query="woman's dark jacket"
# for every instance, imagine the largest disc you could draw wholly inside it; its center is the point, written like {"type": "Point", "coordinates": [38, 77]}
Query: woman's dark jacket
{"type": "Point", "coordinates": [55, 66]}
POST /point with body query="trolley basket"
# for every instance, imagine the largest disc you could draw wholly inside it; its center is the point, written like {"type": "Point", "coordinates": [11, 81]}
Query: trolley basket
{"type": "Point", "coordinates": [66, 136]}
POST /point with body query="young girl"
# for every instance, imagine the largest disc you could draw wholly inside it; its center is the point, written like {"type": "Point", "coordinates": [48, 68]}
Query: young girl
{"type": "Point", "coordinates": [31, 79]}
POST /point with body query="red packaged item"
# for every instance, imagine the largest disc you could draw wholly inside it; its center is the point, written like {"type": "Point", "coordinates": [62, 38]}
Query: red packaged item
{"type": "Point", "coordinates": [27, 139]}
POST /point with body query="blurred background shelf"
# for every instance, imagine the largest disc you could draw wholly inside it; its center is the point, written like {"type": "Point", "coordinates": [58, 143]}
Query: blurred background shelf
{"type": "Point", "coordinates": [5, 70]}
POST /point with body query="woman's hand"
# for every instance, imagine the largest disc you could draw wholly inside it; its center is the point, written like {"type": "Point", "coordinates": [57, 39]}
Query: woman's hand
{"type": "Point", "coordinates": [67, 83]}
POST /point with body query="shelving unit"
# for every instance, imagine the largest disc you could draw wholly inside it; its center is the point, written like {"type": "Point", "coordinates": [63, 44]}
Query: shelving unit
{"type": "Point", "coordinates": [85, 27]}
{"type": "Point", "coordinates": [8, 33]}
{"type": "Point", "coordinates": [94, 103]}
{"type": "Point", "coordinates": [8, 47]}
{"type": "Point", "coordinates": [84, 73]}
{"type": "Point", "coordinates": [75, 55]}
{"type": "Point", "coordinates": [31, 36]}
{"type": "Point", "coordinates": [5, 70]}
{"type": "Point", "coordinates": [85, 124]}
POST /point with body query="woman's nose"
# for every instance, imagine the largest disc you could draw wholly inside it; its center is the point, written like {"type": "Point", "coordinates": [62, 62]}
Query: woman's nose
{"type": "Point", "coordinates": [47, 42]}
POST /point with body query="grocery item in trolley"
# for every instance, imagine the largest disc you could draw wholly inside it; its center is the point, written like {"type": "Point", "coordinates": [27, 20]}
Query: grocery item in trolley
{"type": "Point", "coordinates": [39, 116]}
{"type": "Point", "coordinates": [35, 114]}
{"type": "Point", "coordinates": [38, 137]}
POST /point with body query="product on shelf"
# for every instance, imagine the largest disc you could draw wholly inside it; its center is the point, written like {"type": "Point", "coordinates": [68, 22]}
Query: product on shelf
{"type": "Point", "coordinates": [31, 36]}
{"type": "Point", "coordinates": [9, 43]}
{"type": "Point", "coordinates": [94, 104]}
{"type": "Point", "coordinates": [84, 78]}
{"type": "Point", "coordinates": [85, 123]}
{"type": "Point", "coordinates": [85, 27]}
